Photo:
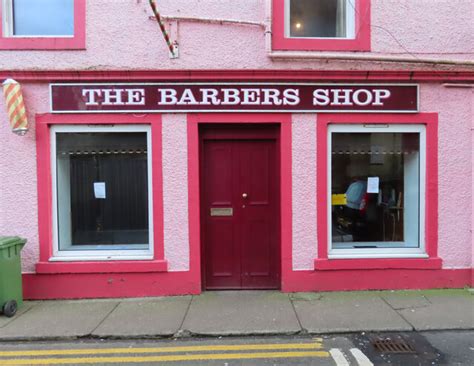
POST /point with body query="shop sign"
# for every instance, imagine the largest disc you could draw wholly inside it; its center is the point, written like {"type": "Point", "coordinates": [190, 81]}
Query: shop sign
{"type": "Point", "coordinates": [233, 97]}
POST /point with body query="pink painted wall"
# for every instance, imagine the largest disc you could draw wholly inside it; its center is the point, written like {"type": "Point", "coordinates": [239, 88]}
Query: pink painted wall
{"type": "Point", "coordinates": [18, 194]}
{"type": "Point", "coordinates": [472, 181]}
{"type": "Point", "coordinates": [304, 172]}
{"type": "Point", "coordinates": [455, 108]}
{"type": "Point", "coordinates": [121, 35]}
{"type": "Point", "coordinates": [455, 170]}
{"type": "Point", "coordinates": [175, 191]}
{"type": "Point", "coordinates": [18, 190]}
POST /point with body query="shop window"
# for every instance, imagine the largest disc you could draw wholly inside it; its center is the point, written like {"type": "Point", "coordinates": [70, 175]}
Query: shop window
{"type": "Point", "coordinates": [46, 24]}
{"type": "Point", "coordinates": [333, 25]}
{"type": "Point", "coordinates": [102, 205]}
{"type": "Point", "coordinates": [376, 180]}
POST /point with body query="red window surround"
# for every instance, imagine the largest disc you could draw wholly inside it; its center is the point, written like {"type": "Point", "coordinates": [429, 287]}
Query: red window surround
{"type": "Point", "coordinates": [45, 216]}
{"type": "Point", "coordinates": [360, 43]}
{"type": "Point", "coordinates": [430, 120]}
{"type": "Point", "coordinates": [78, 41]}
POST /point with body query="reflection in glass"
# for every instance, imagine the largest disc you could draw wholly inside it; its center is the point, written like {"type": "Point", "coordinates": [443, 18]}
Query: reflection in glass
{"type": "Point", "coordinates": [379, 175]}
{"type": "Point", "coordinates": [43, 17]}
{"type": "Point", "coordinates": [321, 18]}
{"type": "Point", "coordinates": [102, 190]}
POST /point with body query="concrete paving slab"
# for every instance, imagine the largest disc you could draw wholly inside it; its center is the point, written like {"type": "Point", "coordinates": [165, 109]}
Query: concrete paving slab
{"type": "Point", "coordinates": [22, 310]}
{"type": "Point", "coordinates": [348, 312]}
{"type": "Point", "coordinates": [305, 296]}
{"type": "Point", "coordinates": [58, 319]}
{"type": "Point", "coordinates": [145, 318]}
{"type": "Point", "coordinates": [448, 310]}
{"type": "Point", "coordinates": [405, 300]}
{"type": "Point", "coordinates": [241, 313]}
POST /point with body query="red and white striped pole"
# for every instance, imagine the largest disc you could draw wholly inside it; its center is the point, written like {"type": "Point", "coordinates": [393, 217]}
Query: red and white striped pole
{"type": "Point", "coordinates": [163, 29]}
{"type": "Point", "coordinates": [15, 106]}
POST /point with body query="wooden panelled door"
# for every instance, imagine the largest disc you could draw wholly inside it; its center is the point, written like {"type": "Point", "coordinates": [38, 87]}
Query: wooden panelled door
{"type": "Point", "coordinates": [240, 207]}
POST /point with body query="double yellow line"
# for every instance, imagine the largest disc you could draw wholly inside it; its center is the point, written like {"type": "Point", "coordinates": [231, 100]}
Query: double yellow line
{"type": "Point", "coordinates": [233, 352]}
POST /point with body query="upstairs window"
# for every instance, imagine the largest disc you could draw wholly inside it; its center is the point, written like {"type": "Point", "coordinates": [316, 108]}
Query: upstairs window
{"type": "Point", "coordinates": [319, 19]}
{"type": "Point", "coordinates": [42, 24]}
{"type": "Point", "coordinates": [40, 18]}
{"type": "Point", "coordinates": [322, 25]}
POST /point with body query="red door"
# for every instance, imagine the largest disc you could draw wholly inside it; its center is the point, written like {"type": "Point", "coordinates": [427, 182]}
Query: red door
{"type": "Point", "coordinates": [240, 208]}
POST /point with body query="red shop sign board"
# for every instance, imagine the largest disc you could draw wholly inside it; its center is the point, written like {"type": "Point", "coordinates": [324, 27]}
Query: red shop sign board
{"type": "Point", "coordinates": [233, 97]}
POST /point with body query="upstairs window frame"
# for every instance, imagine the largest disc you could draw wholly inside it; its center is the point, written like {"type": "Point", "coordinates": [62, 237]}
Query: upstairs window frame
{"type": "Point", "coordinates": [358, 41]}
{"type": "Point", "coordinates": [8, 41]}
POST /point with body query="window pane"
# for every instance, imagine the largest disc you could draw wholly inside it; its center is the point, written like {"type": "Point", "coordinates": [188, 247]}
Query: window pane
{"type": "Point", "coordinates": [379, 175]}
{"type": "Point", "coordinates": [321, 18]}
{"type": "Point", "coordinates": [43, 17]}
{"type": "Point", "coordinates": [102, 189]}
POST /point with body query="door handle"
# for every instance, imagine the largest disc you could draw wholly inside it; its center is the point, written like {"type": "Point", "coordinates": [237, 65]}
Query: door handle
{"type": "Point", "coordinates": [244, 195]}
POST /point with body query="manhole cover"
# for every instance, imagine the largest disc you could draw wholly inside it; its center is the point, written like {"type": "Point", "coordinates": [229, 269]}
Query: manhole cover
{"type": "Point", "coordinates": [393, 346]}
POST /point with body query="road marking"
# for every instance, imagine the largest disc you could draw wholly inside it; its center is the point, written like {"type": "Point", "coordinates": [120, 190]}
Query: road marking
{"type": "Point", "coordinates": [338, 357]}
{"type": "Point", "coordinates": [361, 358]}
{"type": "Point", "coordinates": [229, 347]}
{"type": "Point", "coordinates": [167, 358]}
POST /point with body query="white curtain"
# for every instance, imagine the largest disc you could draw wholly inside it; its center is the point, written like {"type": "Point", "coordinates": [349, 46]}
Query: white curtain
{"type": "Point", "coordinates": [341, 18]}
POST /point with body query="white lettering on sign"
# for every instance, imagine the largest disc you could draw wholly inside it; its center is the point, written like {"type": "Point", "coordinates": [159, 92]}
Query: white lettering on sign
{"type": "Point", "coordinates": [168, 96]}
{"type": "Point", "coordinates": [135, 96]}
{"type": "Point", "coordinates": [381, 94]}
{"type": "Point", "coordinates": [350, 97]}
{"type": "Point", "coordinates": [228, 96]}
{"type": "Point", "coordinates": [114, 96]}
{"type": "Point", "coordinates": [358, 100]}
{"type": "Point", "coordinates": [286, 97]}
{"type": "Point", "coordinates": [271, 97]}
{"type": "Point", "coordinates": [321, 97]}
{"type": "Point", "coordinates": [209, 97]}
{"type": "Point", "coordinates": [291, 97]}
{"type": "Point", "coordinates": [91, 95]}
{"type": "Point", "coordinates": [251, 96]}
{"type": "Point", "coordinates": [187, 98]}
{"type": "Point", "coordinates": [341, 97]}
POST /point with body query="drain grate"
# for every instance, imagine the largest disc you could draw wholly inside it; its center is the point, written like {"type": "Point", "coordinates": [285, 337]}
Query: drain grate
{"type": "Point", "coordinates": [393, 346]}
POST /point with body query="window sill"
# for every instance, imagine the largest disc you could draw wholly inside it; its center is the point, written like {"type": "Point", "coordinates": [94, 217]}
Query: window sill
{"type": "Point", "coordinates": [379, 263]}
{"type": "Point", "coordinates": [315, 46]}
{"type": "Point", "coordinates": [102, 267]}
{"type": "Point", "coordinates": [42, 43]}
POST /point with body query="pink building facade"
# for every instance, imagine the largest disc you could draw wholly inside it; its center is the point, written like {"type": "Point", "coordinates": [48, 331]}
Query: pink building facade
{"type": "Point", "coordinates": [268, 153]}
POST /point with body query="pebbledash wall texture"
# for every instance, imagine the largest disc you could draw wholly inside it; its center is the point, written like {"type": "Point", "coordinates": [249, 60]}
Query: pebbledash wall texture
{"type": "Point", "coordinates": [424, 42]}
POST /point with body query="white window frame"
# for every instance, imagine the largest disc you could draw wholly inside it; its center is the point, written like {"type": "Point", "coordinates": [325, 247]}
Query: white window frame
{"type": "Point", "coordinates": [101, 254]}
{"type": "Point", "coordinates": [380, 252]}
{"type": "Point", "coordinates": [7, 23]}
{"type": "Point", "coordinates": [350, 22]}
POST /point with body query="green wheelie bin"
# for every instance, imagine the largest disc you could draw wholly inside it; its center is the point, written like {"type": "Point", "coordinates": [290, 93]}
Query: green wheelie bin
{"type": "Point", "coordinates": [11, 291]}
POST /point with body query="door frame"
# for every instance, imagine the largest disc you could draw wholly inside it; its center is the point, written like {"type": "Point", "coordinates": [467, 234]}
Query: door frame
{"type": "Point", "coordinates": [195, 120]}
{"type": "Point", "coordinates": [236, 132]}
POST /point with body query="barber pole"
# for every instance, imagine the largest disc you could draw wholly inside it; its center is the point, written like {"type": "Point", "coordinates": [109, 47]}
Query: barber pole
{"type": "Point", "coordinates": [15, 106]}
{"type": "Point", "coordinates": [173, 47]}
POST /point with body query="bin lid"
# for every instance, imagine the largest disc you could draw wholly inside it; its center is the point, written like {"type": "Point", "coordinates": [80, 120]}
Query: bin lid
{"type": "Point", "coordinates": [9, 241]}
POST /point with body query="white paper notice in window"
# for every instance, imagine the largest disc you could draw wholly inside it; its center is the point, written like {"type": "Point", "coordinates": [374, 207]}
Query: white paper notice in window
{"type": "Point", "coordinates": [99, 190]}
{"type": "Point", "coordinates": [373, 185]}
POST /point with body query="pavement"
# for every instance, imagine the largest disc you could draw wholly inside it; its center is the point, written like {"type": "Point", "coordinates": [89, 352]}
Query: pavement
{"type": "Point", "coordinates": [242, 313]}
